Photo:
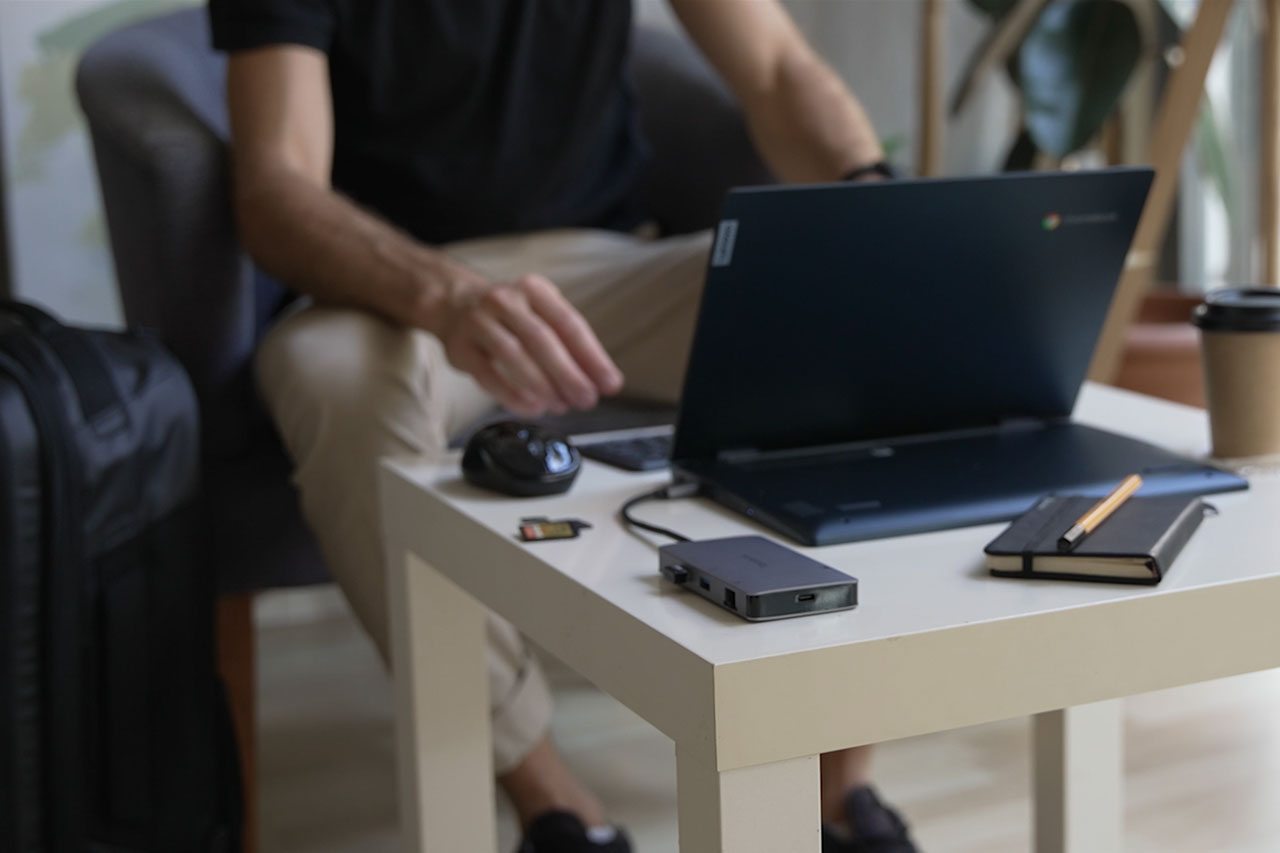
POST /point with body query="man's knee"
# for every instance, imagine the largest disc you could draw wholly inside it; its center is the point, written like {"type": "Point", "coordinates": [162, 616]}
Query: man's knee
{"type": "Point", "coordinates": [333, 354]}
{"type": "Point", "coordinates": [352, 376]}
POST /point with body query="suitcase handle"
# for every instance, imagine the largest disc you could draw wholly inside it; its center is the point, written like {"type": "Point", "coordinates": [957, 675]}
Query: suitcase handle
{"type": "Point", "coordinates": [91, 380]}
{"type": "Point", "coordinates": [36, 318]}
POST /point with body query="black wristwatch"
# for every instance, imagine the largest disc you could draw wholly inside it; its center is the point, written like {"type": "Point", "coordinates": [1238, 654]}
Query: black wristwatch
{"type": "Point", "coordinates": [880, 167]}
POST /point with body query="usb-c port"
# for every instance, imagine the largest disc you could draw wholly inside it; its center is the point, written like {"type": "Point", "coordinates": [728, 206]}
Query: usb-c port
{"type": "Point", "coordinates": [805, 596]}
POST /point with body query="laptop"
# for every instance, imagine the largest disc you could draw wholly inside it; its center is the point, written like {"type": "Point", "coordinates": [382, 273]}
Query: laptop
{"type": "Point", "coordinates": [882, 358]}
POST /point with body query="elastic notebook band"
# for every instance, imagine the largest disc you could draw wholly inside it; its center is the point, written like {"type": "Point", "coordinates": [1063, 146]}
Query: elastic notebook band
{"type": "Point", "coordinates": [1052, 523]}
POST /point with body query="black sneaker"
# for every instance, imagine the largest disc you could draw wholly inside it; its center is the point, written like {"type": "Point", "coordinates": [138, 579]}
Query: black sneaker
{"type": "Point", "coordinates": [876, 828]}
{"type": "Point", "coordinates": [563, 832]}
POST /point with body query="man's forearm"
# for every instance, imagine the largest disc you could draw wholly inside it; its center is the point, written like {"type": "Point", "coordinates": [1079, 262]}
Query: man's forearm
{"type": "Point", "coordinates": [808, 126]}
{"type": "Point", "coordinates": [324, 245]}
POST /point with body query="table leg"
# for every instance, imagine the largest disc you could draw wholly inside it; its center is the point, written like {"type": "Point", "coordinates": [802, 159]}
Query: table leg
{"type": "Point", "coordinates": [1079, 779]}
{"type": "Point", "coordinates": [762, 809]}
{"type": "Point", "coordinates": [443, 735]}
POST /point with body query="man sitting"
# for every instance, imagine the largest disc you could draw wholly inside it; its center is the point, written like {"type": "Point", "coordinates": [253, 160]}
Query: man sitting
{"type": "Point", "coordinates": [454, 184]}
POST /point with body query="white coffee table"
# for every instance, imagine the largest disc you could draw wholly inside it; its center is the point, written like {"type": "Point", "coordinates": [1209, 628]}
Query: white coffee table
{"type": "Point", "coordinates": [934, 644]}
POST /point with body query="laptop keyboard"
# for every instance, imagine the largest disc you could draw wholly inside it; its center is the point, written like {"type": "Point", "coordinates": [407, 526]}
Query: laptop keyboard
{"type": "Point", "coordinates": [636, 453]}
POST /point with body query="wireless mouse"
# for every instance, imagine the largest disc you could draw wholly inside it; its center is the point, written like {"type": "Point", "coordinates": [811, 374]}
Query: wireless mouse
{"type": "Point", "coordinates": [520, 459]}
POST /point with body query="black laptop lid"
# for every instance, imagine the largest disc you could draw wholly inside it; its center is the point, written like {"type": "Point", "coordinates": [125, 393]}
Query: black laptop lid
{"type": "Point", "coordinates": [845, 312]}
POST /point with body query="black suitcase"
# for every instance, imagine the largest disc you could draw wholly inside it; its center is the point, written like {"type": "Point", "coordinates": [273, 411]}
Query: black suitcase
{"type": "Point", "coordinates": [114, 732]}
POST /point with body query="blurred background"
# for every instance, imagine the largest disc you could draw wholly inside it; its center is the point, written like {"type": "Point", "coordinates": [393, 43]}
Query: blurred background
{"type": "Point", "coordinates": [1204, 762]}
{"type": "Point", "coordinates": [53, 246]}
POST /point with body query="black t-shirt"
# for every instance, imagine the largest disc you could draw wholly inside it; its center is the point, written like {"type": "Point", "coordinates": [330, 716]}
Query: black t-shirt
{"type": "Point", "coordinates": [460, 118]}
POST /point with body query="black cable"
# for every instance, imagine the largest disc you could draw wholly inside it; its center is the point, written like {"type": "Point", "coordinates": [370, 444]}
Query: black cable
{"type": "Point", "coordinates": [672, 490]}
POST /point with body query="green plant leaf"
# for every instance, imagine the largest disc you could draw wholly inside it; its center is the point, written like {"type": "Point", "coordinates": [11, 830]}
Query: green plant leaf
{"type": "Point", "coordinates": [1022, 153]}
{"type": "Point", "coordinates": [996, 9]}
{"type": "Point", "coordinates": [79, 31]}
{"type": "Point", "coordinates": [45, 84]}
{"type": "Point", "coordinates": [1073, 67]}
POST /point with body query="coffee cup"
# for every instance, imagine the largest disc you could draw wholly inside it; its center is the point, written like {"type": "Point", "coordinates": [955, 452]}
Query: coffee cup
{"type": "Point", "coordinates": [1240, 350]}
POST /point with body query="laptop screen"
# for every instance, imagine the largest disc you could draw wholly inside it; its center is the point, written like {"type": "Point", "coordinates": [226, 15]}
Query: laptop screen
{"type": "Point", "coordinates": [847, 312]}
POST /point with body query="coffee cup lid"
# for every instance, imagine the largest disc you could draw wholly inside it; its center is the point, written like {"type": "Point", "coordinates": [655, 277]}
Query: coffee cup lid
{"type": "Point", "coordinates": [1239, 309]}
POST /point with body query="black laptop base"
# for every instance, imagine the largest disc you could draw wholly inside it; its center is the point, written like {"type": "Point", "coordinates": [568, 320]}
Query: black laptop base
{"type": "Point", "coordinates": [913, 485]}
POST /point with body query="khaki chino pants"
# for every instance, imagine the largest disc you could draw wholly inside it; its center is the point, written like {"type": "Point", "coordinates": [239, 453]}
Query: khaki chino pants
{"type": "Point", "coordinates": [346, 388]}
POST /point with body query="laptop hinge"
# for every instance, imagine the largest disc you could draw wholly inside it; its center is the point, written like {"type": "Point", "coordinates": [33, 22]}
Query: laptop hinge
{"type": "Point", "coordinates": [739, 455]}
{"type": "Point", "coordinates": [1019, 424]}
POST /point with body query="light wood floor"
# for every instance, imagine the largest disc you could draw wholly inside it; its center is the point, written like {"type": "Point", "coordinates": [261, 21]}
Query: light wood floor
{"type": "Point", "coordinates": [1203, 762]}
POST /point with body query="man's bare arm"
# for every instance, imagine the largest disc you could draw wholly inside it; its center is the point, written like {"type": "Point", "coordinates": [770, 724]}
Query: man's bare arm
{"type": "Point", "coordinates": [521, 340]}
{"type": "Point", "coordinates": [804, 120]}
{"type": "Point", "coordinates": [291, 222]}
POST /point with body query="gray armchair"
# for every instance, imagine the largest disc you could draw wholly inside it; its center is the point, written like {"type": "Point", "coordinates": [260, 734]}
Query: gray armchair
{"type": "Point", "coordinates": [153, 95]}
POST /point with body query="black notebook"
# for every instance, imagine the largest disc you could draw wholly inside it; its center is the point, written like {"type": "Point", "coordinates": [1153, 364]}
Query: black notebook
{"type": "Point", "coordinates": [1136, 544]}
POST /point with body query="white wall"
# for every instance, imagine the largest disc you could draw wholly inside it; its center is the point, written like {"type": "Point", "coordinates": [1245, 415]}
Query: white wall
{"type": "Point", "coordinates": [57, 237]}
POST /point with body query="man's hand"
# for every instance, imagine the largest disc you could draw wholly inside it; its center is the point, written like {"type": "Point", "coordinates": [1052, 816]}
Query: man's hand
{"type": "Point", "coordinates": [526, 345]}
{"type": "Point", "coordinates": [521, 340]}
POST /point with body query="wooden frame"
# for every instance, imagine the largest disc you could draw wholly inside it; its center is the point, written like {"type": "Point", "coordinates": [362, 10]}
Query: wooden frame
{"type": "Point", "coordinates": [1174, 121]}
{"type": "Point", "coordinates": [236, 649]}
{"type": "Point", "coordinates": [933, 64]}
